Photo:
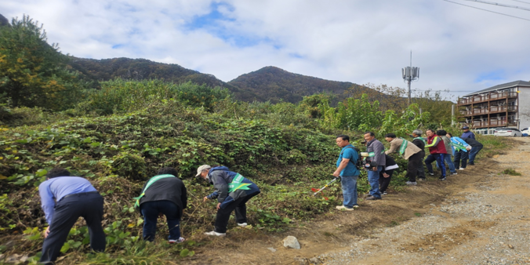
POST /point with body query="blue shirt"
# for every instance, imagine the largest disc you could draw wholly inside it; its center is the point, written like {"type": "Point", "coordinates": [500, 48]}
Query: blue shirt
{"type": "Point", "coordinates": [58, 187]}
{"type": "Point", "coordinates": [349, 153]}
{"type": "Point", "coordinates": [468, 134]}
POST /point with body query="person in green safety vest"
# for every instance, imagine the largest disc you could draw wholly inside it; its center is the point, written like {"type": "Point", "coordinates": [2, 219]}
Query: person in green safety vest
{"type": "Point", "coordinates": [163, 194]}
{"type": "Point", "coordinates": [420, 143]}
{"type": "Point", "coordinates": [409, 151]}
{"type": "Point", "coordinates": [232, 192]}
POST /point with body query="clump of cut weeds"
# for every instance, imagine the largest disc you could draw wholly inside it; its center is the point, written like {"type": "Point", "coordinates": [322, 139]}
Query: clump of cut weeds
{"type": "Point", "coordinates": [511, 172]}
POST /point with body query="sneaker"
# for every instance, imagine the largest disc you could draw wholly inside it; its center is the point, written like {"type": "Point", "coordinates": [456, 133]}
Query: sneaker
{"type": "Point", "coordinates": [242, 224]}
{"type": "Point", "coordinates": [421, 179]}
{"type": "Point", "coordinates": [368, 196]}
{"type": "Point", "coordinates": [213, 233]}
{"type": "Point", "coordinates": [442, 178]}
{"type": "Point", "coordinates": [343, 208]}
{"type": "Point", "coordinates": [173, 241]}
{"type": "Point", "coordinates": [461, 168]}
{"type": "Point", "coordinates": [355, 206]}
{"type": "Point", "coordinates": [384, 193]}
{"type": "Point", "coordinates": [410, 183]}
{"type": "Point", "coordinates": [373, 198]}
{"type": "Point", "coordinates": [454, 174]}
{"type": "Point", "coordinates": [431, 174]}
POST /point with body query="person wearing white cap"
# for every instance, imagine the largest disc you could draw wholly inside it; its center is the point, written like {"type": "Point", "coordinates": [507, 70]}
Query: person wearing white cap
{"type": "Point", "coordinates": [232, 191]}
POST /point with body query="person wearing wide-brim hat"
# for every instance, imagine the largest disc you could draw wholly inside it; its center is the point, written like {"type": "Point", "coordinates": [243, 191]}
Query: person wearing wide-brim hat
{"type": "Point", "coordinates": [232, 192]}
{"type": "Point", "coordinates": [467, 133]}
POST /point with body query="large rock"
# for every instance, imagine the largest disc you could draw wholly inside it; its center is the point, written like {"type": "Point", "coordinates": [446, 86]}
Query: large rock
{"type": "Point", "coordinates": [291, 242]}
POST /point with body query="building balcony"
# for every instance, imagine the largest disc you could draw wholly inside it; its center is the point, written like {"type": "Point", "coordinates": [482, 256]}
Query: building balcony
{"type": "Point", "coordinates": [486, 97]}
{"type": "Point", "coordinates": [492, 110]}
{"type": "Point", "coordinates": [492, 123]}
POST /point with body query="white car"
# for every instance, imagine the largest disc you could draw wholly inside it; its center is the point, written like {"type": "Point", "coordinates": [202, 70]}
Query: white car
{"type": "Point", "coordinates": [507, 132]}
{"type": "Point", "coordinates": [525, 132]}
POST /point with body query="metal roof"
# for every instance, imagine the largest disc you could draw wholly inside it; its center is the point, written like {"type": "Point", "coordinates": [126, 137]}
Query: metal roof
{"type": "Point", "coordinates": [518, 83]}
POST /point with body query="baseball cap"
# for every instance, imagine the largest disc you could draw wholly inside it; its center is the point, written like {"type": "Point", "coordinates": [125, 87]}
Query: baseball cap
{"type": "Point", "coordinates": [201, 169]}
{"type": "Point", "coordinates": [465, 127]}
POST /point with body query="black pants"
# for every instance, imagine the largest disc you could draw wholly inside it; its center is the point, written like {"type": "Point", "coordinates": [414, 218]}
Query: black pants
{"type": "Point", "coordinates": [384, 182]}
{"type": "Point", "coordinates": [66, 213]}
{"type": "Point", "coordinates": [223, 215]}
{"type": "Point", "coordinates": [421, 168]}
{"type": "Point", "coordinates": [415, 161]}
{"type": "Point", "coordinates": [460, 156]}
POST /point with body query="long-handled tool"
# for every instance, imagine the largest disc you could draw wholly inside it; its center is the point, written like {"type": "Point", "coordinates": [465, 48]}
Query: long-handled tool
{"type": "Point", "coordinates": [320, 190]}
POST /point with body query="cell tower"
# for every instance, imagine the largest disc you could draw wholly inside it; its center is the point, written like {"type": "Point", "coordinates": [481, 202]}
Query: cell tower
{"type": "Point", "coordinates": [410, 73]}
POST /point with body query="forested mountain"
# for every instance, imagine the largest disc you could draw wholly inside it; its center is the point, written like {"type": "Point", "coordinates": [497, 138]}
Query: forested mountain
{"type": "Point", "coordinates": [269, 83]}
{"type": "Point", "coordinates": [275, 84]}
{"type": "Point", "coordinates": [3, 21]}
{"type": "Point", "coordinates": [140, 69]}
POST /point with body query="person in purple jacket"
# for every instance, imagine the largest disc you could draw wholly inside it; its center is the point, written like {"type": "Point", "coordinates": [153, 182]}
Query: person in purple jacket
{"type": "Point", "coordinates": [467, 133]}
{"type": "Point", "coordinates": [64, 199]}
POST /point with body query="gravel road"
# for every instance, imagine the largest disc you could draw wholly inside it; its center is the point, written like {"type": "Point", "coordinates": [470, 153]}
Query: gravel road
{"type": "Point", "coordinates": [487, 222]}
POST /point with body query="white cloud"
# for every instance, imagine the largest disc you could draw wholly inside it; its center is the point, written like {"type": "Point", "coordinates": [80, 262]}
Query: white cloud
{"type": "Point", "coordinates": [457, 48]}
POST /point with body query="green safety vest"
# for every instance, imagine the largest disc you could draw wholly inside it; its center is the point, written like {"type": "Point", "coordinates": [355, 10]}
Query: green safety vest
{"type": "Point", "coordinates": [149, 183]}
{"type": "Point", "coordinates": [458, 146]}
{"type": "Point", "coordinates": [372, 154]}
{"type": "Point", "coordinates": [237, 184]}
{"type": "Point", "coordinates": [403, 146]}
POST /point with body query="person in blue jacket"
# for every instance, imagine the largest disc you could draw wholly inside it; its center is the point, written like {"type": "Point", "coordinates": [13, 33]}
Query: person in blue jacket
{"type": "Point", "coordinates": [459, 148]}
{"type": "Point", "coordinates": [348, 173]}
{"type": "Point", "coordinates": [232, 192]}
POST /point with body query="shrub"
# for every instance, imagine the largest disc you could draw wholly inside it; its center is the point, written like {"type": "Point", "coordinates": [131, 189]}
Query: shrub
{"type": "Point", "coordinates": [131, 166]}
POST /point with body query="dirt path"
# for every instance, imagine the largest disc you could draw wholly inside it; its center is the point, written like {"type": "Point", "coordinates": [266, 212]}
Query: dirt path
{"type": "Point", "coordinates": [480, 216]}
{"type": "Point", "coordinates": [486, 222]}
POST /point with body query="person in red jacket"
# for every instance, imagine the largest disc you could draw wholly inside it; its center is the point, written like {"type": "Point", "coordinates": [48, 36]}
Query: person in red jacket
{"type": "Point", "coordinates": [438, 152]}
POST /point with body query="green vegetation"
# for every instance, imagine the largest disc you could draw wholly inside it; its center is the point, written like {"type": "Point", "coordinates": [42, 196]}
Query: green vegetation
{"type": "Point", "coordinates": [511, 171]}
{"type": "Point", "coordinates": [277, 145]}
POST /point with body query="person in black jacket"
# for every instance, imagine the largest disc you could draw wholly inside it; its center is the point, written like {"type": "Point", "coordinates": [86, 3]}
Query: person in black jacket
{"type": "Point", "coordinates": [163, 194]}
{"type": "Point", "coordinates": [475, 148]}
{"type": "Point", "coordinates": [420, 143]}
{"type": "Point", "coordinates": [386, 174]}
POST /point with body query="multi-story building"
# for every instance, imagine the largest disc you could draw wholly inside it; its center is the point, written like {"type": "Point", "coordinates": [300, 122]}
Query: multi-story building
{"type": "Point", "coordinates": [505, 105]}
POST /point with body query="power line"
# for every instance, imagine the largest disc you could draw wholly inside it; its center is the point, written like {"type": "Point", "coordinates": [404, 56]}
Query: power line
{"type": "Point", "coordinates": [521, 1]}
{"type": "Point", "coordinates": [497, 4]}
{"type": "Point", "coordinates": [487, 10]}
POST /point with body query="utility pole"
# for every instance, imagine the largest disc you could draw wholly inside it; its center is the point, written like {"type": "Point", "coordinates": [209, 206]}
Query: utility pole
{"type": "Point", "coordinates": [409, 74]}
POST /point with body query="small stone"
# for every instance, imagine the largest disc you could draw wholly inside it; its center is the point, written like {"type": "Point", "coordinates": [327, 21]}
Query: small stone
{"type": "Point", "coordinates": [272, 249]}
{"type": "Point", "coordinates": [291, 242]}
{"type": "Point", "coordinates": [314, 260]}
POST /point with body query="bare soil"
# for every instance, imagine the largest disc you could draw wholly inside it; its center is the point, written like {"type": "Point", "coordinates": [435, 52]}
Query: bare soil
{"type": "Point", "coordinates": [403, 224]}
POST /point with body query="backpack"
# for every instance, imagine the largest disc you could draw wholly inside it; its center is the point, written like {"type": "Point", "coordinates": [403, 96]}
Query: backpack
{"type": "Point", "coordinates": [359, 163]}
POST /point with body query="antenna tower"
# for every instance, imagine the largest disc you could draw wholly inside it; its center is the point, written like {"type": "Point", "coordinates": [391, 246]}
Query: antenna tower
{"type": "Point", "coordinates": [409, 74]}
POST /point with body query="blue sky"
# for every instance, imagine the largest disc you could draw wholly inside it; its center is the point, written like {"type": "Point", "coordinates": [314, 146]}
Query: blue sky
{"type": "Point", "coordinates": [457, 48]}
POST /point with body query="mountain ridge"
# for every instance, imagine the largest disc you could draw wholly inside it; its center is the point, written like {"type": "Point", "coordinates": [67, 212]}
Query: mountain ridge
{"type": "Point", "coordinates": [285, 85]}
{"type": "Point", "coordinates": [269, 83]}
